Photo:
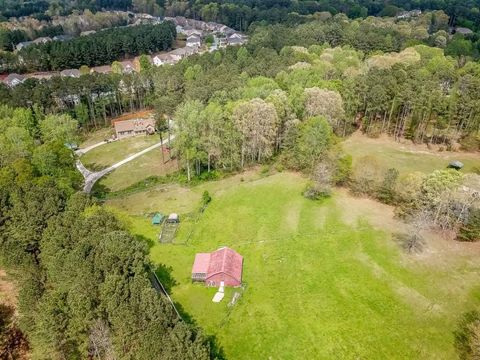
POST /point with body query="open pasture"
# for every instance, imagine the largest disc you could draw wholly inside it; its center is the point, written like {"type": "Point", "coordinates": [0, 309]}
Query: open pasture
{"type": "Point", "coordinates": [323, 280]}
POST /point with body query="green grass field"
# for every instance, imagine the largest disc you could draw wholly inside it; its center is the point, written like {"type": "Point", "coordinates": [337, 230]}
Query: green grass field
{"type": "Point", "coordinates": [321, 281]}
{"type": "Point", "coordinates": [149, 164]}
{"type": "Point", "coordinates": [97, 136]}
{"type": "Point", "coordinates": [111, 153]}
{"type": "Point", "coordinates": [406, 157]}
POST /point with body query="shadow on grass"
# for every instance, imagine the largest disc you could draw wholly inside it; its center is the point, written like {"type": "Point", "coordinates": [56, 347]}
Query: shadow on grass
{"type": "Point", "coordinates": [411, 243]}
{"type": "Point", "coordinates": [216, 351]}
{"type": "Point", "coordinates": [94, 167]}
{"type": "Point", "coordinates": [164, 275]}
{"type": "Point", "coordinates": [99, 190]}
{"type": "Point", "coordinates": [150, 243]}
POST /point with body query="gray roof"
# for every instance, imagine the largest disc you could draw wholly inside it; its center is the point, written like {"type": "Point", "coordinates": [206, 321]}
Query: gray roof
{"type": "Point", "coordinates": [105, 69]}
{"type": "Point", "coordinates": [70, 72]}
{"type": "Point", "coordinates": [463, 31]}
{"type": "Point", "coordinates": [42, 40]}
{"type": "Point", "coordinates": [235, 40]}
{"type": "Point", "coordinates": [62, 37]}
{"type": "Point", "coordinates": [10, 79]}
{"type": "Point", "coordinates": [23, 44]}
{"type": "Point", "coordinates": [456, 164]}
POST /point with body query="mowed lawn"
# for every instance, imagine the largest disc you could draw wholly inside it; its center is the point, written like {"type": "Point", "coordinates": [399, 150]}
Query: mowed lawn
{"type": "Point", "coordinates": [406, 157]}
{"type": "Point", "coordinates": [108, 154]}
{"type": "Point", "coordinates": [149, 164]}
{"type": "Point", "coordinates": [321, 282]}
{"type": "Point", "coordinates": [97, 136]}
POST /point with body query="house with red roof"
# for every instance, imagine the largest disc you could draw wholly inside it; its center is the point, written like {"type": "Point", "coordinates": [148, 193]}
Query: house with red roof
{"type": "Point", "coordinates": [223, 264]}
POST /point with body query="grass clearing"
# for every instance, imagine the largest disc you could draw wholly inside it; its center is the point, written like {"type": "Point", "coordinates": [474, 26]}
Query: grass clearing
{"type": "Point", "coordinates": [324, 280]}
{"type": "Point", "coordinates": [108, 154]}
{"type": "Point", "coordinates": [149, 164]}
{"type": "Point", "coordinates": [406, 157]}
{"type": "Point", "coordinates": [97, 136]}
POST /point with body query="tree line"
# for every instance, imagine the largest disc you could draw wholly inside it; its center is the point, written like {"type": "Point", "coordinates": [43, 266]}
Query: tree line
{"type": "Point", "coordinates": [240, 14]}
{"type": "Point", "coordinates": [84, 282]}
{"type": "Point", "coordinates": [100, 48]}
{"type": "Point", "coordinates": [41, 8]}
{"type": "Point", "coordinates": [20, 30]}
{"type": "Point", "coordinates": [417, 93]}
{"type": "Point", "coordinates": [10, 38]}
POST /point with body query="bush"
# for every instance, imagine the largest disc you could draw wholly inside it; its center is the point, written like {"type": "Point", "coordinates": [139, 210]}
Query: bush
{"type": "Point", "coordinates": [206, 198]}
{"type": "Point", "coordinates": [467, 336]}
{"type": "Point", "coordinates": [265, 169]}
{"type": "Point", "coordinates": [314, 192]}
{"type": "Point", "coordinates": [212, 175]}
{"type": "Point", "coordinates": [471, 230]}
{"type": "Point", "coordinates": [343, 170]}
{"type": "Point", "coordinates": [470, 143]}
{"type": "Point", "coordinates": [367, 176]}
{"type": "Point", "coordinates": [386, 192]}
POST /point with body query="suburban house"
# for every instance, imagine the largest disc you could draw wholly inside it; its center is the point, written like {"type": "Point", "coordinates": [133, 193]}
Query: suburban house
{"type": "Point", "coordinates": [87, 33]}
{"type": "Point", "coordinates": [190, 32]}
{"type": "Point", "coordinates": [42, 40]}
{"type": "Point", "coordinates": [62, 38]}
{"type": "Point", "coordinates": [223, 265]}
{"type": "Point", "coordinates": [235, 39]}
{"type": "Point", "coordinates": [128, 67]}
{"type": "Point", "coordinates": [165, 59]}
{"type": "Point", "coordinates": [180, 53]}
{"type": "Point", "coordinates": [463, 31]}
{"type": "Point", "coordinates": [409, 14]}
{"type": "Point", "coordinates": [45, 75]}
{"type": "Point", "coordinates": [222, 42]}
{"type": "Point", "coordinates": [127, 128]}
{"type": "Point", "coordinates": [70, 73]}
{"type": "Point", "coordinates": [14, 80]}
{"type": "Point", "coordinates": [194, 41]}
{"type": "Point", "coordinates": [105, 69]}
{"type": "Point", "coordinates": [23, 45]}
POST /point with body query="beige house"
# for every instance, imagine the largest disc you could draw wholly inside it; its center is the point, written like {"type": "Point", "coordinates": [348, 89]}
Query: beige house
{"type": "Point", "coordinates": [133, 127]}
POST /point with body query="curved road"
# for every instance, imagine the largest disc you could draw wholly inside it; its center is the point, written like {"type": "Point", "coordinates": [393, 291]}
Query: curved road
{"type": "Point", "coordinates": [92, 177]}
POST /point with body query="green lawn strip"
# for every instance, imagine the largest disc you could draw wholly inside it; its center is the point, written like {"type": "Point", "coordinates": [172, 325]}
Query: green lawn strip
{"type": "Point", "coordinates": [97, 136]}
{"type": "Point", "coordinates": [148, 165]}
{"type": "Point", "coordinates": [113, 152]}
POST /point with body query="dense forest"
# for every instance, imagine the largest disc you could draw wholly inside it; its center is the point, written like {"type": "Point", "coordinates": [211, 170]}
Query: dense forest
{"type": "Point", "coordinates": [100, 48]}
{"type": "Point", "coordinates": [39, 8]}
{"type": "Point", "coordinates": [379, 90]}
{"type": "Point", "coordinates": [240, 14]}
{"type": "Point", "coordinates": [16, 30]}
{"type": "Point", "coordinates": [85, 282]}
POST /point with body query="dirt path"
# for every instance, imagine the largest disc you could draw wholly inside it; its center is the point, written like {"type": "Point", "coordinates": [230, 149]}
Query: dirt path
{"type": "Point", "coordinates": [8, 291]}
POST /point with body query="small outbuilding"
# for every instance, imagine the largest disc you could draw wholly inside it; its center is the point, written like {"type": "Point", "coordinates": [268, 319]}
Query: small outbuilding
{"type": "Point", "coordinates": [457, 165]}
{"type": "Point", "coordinates": [173, 218]}
{"type": "Point", "coordinates": [157, 219]}
{"type": "Point", "coordinates": [223, 265]}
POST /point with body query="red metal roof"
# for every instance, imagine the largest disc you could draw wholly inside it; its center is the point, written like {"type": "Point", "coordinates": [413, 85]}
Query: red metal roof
{"type": "Point", "coordinates": [227, 261]}
{"type": "Point", "coordinates": [223, 260]}
{"type": "Point", "coordinates": [202, 261]}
